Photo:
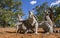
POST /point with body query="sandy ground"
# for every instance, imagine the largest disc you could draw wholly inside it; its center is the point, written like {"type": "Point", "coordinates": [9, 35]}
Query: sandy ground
{"type": "Point", "coordinates": [11, 33]}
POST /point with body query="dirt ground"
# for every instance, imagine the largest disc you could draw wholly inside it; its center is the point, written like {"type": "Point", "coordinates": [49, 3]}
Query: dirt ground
{"type": "Point", "coordinates": [11, 33]}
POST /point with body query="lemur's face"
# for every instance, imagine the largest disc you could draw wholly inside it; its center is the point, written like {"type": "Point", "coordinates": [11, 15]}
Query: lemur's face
{"type": "Point", "coordinates": [31, 14]}
{"type": "Point", "coordinates": [46, 12]}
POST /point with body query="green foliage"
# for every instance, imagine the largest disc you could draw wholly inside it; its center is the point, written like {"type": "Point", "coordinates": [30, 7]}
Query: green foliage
{"type": "Point", "coordinates": [57, 13]}
{"type": "Point", "coordinates": [40, 10]}
{"type": "Point", "coordinates": [40, 18]}
{"type": "Point", "coordinates": [12, 24]}
{"type": "Point", "coordinates": [8, 11]}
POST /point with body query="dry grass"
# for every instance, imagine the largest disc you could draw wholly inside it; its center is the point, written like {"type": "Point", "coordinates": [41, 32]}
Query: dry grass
{"type": "Point", "coordinates": [11, 33]}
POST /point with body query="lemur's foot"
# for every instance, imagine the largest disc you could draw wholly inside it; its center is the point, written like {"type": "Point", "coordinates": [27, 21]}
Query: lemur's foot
{"type": "Point", "coordinates": [47, 33]}
{"type": "Point", "coordinates": [26, 32]}
{"type": "Point", "coordinates": [36, 33]}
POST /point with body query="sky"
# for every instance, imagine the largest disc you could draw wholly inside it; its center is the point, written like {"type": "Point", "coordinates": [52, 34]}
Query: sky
{"type": "Point", "coordinates": [27, 5]}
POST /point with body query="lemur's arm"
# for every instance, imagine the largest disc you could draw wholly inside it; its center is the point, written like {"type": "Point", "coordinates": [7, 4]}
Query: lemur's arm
{"type": "Point", "coordinates": [34, 21]}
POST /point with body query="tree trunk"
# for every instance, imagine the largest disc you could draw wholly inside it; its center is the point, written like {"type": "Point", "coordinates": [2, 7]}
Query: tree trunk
{"type": "Point", "coordinates": [4, 24]}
